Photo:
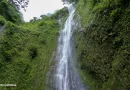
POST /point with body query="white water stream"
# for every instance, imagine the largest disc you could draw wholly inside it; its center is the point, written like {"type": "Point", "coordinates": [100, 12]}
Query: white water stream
{"type": "Point", "coordinates": [67, 77]}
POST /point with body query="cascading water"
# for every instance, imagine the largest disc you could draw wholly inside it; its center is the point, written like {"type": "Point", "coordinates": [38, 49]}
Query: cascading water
{"type": "Point", "coordinates": [67, 77]}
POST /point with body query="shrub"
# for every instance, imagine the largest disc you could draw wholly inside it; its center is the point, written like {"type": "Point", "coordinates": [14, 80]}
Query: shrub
{"type": "Point", "coordinates": [33, 52]}
{"type": "Point", "coordinates": [2, 21]}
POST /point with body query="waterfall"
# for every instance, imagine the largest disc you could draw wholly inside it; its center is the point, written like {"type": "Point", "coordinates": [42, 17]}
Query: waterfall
{"type": "Point", "coordinates": [67, 77]}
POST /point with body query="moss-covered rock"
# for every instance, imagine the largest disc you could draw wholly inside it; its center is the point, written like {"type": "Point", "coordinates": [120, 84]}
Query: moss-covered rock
{"type": "Point", "coordinates": [103, 44]}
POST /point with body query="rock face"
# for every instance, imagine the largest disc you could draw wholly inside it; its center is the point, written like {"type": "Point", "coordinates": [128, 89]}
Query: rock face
{"type": "Point", "coordinates": [102, 43]}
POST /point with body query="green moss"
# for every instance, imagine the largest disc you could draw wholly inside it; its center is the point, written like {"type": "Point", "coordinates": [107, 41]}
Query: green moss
{"type": "Point", "coordinates": [103, 44]}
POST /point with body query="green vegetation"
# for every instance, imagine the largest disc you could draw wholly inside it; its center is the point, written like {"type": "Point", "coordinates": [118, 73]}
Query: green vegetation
{"type": "Point", "coordinates": [26, 50]}
{"type": "Point", "coordinates": [25, 53]}
{"type": "Point", "coordinates": [103, 43]}
{"type": "Point", "coordinates": [60, 14]}
{"type": "Point", "coordinates": [9, 12]}
{"type": "Point", "coordinates": [2, 21]}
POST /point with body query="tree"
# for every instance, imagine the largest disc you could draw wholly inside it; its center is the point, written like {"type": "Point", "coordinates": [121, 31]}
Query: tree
{"type": "Point", "coordinates": [70, 1]}
{"type": "Point", "coordinates": [20, 3]}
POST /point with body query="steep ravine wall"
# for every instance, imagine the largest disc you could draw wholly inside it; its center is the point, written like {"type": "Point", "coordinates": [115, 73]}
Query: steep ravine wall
{"type": "Point", "coordinates": [26, 50]}
{"type": "Point", "coordinates": [103, 43]}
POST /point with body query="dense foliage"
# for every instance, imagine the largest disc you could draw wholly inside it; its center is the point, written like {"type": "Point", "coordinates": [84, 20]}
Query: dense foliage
{"type": "Point", "coordinates": [25, 53]}
{"type": "Point", "coordinates": [103, 43]}
{"type": "Point", "coordinates": [60, 13]}
{"type": "Point", "coordinates": [26, 50]}
{"type": "Point", "coordinates": [9, 12]}
{"type": "Point", "coordinates": [2, 21]}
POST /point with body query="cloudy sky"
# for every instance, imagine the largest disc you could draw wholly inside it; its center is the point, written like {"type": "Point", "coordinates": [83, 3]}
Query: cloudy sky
{"type": "Point", "coordinates": [40, 7]}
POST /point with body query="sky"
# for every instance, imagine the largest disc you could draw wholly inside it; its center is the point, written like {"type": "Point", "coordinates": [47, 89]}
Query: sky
{"type": "Point", "coordinates": [40, 7]}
